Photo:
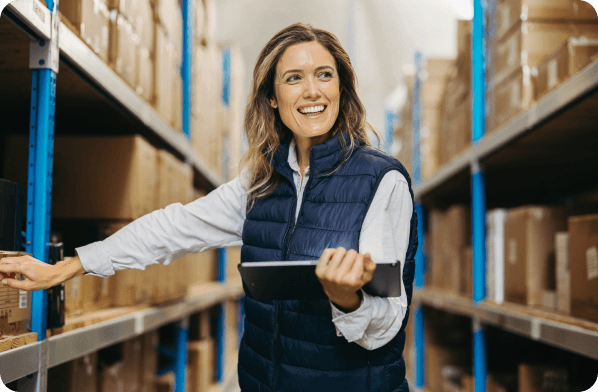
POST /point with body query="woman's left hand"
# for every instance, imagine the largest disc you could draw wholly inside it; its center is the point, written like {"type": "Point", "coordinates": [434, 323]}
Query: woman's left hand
{"type": "Point", "coordinates": [342, 273]}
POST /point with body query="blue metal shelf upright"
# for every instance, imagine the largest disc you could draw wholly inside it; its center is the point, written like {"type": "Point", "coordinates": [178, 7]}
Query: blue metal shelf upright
{"type": "Point", "coordinates": [478, 203]}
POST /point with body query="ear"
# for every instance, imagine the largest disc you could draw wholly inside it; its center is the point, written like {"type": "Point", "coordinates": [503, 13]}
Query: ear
{"type": "Point", "coordinates": [273, 103]}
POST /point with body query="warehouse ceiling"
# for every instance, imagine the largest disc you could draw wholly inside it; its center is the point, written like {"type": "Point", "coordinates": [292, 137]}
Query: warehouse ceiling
{"type": "Point", "coordinates": [386, 34]}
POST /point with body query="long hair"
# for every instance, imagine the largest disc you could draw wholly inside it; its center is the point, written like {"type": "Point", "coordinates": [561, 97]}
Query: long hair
{"type": "Point", "coordinates": [264, 128]}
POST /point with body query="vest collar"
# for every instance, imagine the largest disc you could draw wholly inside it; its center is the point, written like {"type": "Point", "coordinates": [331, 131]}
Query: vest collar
{"type": "Point", "coordinates": [323, 158]}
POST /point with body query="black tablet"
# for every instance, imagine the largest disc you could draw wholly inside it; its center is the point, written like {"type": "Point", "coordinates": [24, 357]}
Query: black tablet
{"type": "Point", "coordinates": [281, 280]}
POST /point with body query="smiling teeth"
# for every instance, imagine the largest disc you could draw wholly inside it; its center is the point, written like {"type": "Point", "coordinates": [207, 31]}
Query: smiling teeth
{"type": "Point", "coordinates": [314, 109]}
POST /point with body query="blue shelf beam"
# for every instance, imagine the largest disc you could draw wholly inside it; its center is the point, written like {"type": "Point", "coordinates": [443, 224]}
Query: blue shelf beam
{"type": "Point", "coordinates": [188, 9]}
{"type": "Point", "coordinates": [180, 364]}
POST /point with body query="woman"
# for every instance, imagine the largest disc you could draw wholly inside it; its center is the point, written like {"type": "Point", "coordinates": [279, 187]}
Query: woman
{"type": "Point", "coordinates": [311, 188]}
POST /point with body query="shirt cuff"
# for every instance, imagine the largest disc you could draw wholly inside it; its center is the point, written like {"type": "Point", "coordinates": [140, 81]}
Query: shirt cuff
{"type": "Point", "coordinates": [95, 259]}
{"type": "Point", "coordinates": [353, 325]}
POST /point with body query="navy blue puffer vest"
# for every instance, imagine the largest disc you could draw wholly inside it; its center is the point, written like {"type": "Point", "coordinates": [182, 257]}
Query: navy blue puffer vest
{"type": "Point", "coordinates": [292, 346]}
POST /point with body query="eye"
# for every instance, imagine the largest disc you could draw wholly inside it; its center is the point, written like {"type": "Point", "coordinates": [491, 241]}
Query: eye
{"type": "Point", "coordinates": [325, 75]}
{"type": "Point", "coordinates": [293, 78]}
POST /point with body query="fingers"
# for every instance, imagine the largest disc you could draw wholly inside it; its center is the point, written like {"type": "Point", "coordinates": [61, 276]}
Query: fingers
{"type": "Point", "coordinates": [9, 265]}
{"type": "Point", "coordinates": [369, 268]}
{"type": "Point", "coordinates": [18, 284]}
{"type": "Point", "coordinates": [322, 265]}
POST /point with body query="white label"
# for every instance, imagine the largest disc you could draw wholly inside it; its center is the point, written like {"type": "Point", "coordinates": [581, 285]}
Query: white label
{"type": "Point", "coordinates": [592, 262]}
{"type": "Point", "coordinates": [22, 301]}
{"type": "Point", "coordinates": [35, 5]}
{"type": "Point", "coordinates": [22, 292]}
{"type": "Point", "coordinates": [512, 251]}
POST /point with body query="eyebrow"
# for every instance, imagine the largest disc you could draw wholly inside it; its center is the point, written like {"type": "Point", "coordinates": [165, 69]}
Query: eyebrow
{"type": "Point", "coordinates": [300, 70]}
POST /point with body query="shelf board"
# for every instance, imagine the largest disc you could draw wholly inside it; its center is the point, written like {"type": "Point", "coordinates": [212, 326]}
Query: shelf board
{"type": "Point", "coordinates": [22, 361]}
{"type": "Point", "coordinates": [31, 15]}
{"type": "Point", "coordinates": [569, 333]}
{"type": "Point", "coordinates": [19, 362]}
{"type": "Point", "coordinates": [562, 99]}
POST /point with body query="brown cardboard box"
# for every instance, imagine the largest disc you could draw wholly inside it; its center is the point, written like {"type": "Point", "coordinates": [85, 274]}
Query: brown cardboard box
{"type": "Point", "coordinates": [200, 365]}
{"type": "Point", "coordinates": [209, 32]}
{"type": "Point", "coordinates": [145, 73]}
{"type": "Point", "coordinates": [509, 12]}
{"type": "Point", "coordinates": [111, 379]}
{"type": "Point", "coordinates": [92, 19]}
{"type": "Point", "coordinates": [583, 259]}
{"type": "Point", "coordinates": [131, 361]}
{"type": "Point", "coordinates": [233, 259]}
{"type": "Point", "coordinates": [531, 42]}
{"type": "Point", "coordinates": [563, 275]}
{"type": "Point", "coordinates": [143, 23]}
{"type": "Point", "coordinates": [200, 15]}
{"type": "Point", "coordinates": [113, 178]}
{"type": "Point", "coordinates": [542, 378]}
{"type": "Point", "coordinates": [79, 375]}
{"type": "Point", "coordinates": [165, 382]}
{"type": "Point", "coordinates": [15, 309]}
{"type": "Point", "coordinates": [95, 293]}
{"type": "Point", "coordinates": [566, 62]}
{"type": "Point", "coordinates": [72, 299]}
{"type": "Point", "coordinates": [199, 326]}
{"type": "Point", "coordinates": [510, 97]}
{"type": "Point", "coordinates": [164, 74]}
{"type": "Point", "coordinates": [124, 48]}
{"type": "Point", "coordinates": [149, 361]}
{"type": "Point", "coordinates": [529, 252]}
{"type": "Point", "coordinates": [129, 8]}
{"type": "Point", "coordinates": [232, 333]}
{"type": "Point", "coordinates": [203, 267]}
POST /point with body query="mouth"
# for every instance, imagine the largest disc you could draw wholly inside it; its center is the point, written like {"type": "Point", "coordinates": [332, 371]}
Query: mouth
{"type": "Point", "coordinates": [312, 111]}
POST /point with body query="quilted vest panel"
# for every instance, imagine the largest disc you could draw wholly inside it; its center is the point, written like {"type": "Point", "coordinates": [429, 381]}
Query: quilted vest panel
{"type": "Point", "coordinates": [292, 345]}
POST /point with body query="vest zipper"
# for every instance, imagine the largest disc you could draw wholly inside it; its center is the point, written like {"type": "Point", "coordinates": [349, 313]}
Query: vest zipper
{"type": "Point", "coordinates": [275, 340]}
{"type": "Point", "coordinates": [288, 244]}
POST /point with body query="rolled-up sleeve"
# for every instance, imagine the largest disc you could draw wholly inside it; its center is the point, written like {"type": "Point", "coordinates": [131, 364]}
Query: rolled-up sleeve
{"type": "Point", "coordinates": [385, 235]}
{"type": "Point", "coordinates": [164, 235]}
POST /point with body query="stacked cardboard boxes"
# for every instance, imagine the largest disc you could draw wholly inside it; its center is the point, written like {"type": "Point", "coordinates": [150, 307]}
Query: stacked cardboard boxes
{"type": "Point", "coordinates": [403, 132]}
{"type": "Point", "coordinates": [80, 374]}
{"type": "Point", "coordinates": [525, 32]}
{"type": "Point", "coordinates": [529, 252]}
{"type": "Point", "coordinates": [432, 88]}
{"type": "Point", "coordinates": [583, 266]}
{"type": "Point", "coordinates": [91, 20]}
{"type": "Point", "coordinates": [450, 239]}
{"type": "Point", "coordinates": [455, 107]}
{"type": "Point", "coordinates": [15, 310]}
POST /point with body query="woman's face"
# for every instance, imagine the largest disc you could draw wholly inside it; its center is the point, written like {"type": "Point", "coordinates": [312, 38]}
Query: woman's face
{"type": "Point", "coordinates": [306, 90]}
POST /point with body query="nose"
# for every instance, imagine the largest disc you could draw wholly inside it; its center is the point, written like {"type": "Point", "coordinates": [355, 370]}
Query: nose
{"type": "Point", "coordinates": [311, 90]}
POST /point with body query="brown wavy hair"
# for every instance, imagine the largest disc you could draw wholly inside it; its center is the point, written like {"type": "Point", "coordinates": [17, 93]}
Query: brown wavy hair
{"type": "Point", "coordinates": [264, 128]}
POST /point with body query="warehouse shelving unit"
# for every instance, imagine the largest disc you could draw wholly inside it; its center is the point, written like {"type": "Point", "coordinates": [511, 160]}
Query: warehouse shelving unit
{"type": "Point", "coordinates": [41, 24]}
{"type": "Point", "coordinates": [547, 134]}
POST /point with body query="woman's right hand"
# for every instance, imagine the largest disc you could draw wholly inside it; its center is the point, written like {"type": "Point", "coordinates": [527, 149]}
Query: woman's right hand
{"type": "Point", "coordinates": [39, 275]}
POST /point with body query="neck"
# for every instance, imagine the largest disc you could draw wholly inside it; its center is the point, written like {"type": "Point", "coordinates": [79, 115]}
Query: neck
{"type": "Point", "coordinates": [303, 148]}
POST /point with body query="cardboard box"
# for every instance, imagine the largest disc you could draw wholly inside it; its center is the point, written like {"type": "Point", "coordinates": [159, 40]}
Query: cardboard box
{"type": "Point", "coordinates": [199, 21]}
{"type": "Point", "coordinates": [124, 48]}
{"type": "Point", "coordinates": [145, 73]}
{"type": "Point", "coordinates": [143, 24]}
{"type": "Point", "coordinates": [131, 361]}
{"type": "Point", "coordinates": [209, 32]}
{"type": "Point", "coordinates": [165, 382]}
{"type": "Point", "coordinates": [566, 62]}
{"type": "Point", "coordinates": [200, 365]}
{"type": "Point", "coordinates": [149, 361]}
{"type": "Point", "coordinates": [495, 257]}
{"type": "Point", "coordinates": [111, 378]}
{"type": "Point", "coordinates": [92, 20]}
{"type": "Point", "coordinates": [103, 177]}
{"type": "Point", "coordinates": [231, 349]}
{"type": "Point", "coordinates": [563, 275]}
{"type": "Point", "coordinates": [15, 309]}
{"type": "Point", "coordinates": [165, 68]}
{"type": "Point", "coordinates": [510, 97]}
{"type": "Point", "coordinates": [542, 378]}
{"type": "Point", "coordinates": [529, 252]}
{"type": "Point", "coordinates": [531, 42]}
{"type": "Point", "coordinates": [79, 375]}
{"type": "Point", "coordinates": [583, 259]}
{"type": "Point", "coordinates": [128, 8]}
{"type": "Point", "coordinates": [509, 12]}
